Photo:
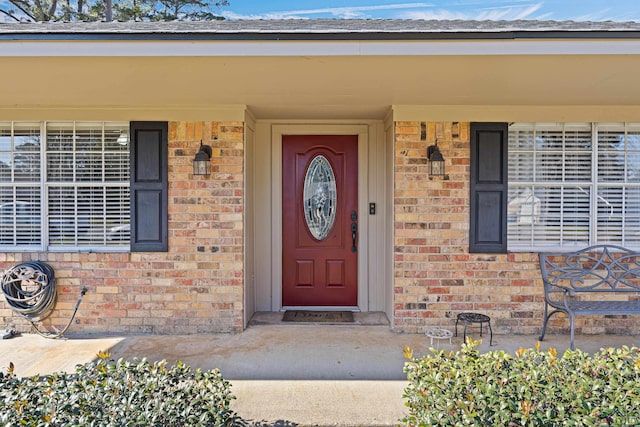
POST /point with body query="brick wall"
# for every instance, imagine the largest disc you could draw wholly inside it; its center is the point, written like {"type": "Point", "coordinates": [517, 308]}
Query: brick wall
{"type": "Point", "coordinates": [435, 275]}
{"type": "Point", "coordinates": [197, 286]}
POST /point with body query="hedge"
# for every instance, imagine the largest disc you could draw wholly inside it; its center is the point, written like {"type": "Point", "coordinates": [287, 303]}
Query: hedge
{"type": "Point", "coordinates": [530, 388]}
{"type": "Point", "coordinates": [122, 393]}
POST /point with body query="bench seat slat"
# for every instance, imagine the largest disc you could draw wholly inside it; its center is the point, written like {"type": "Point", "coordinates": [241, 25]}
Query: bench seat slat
{"type": "Point", "coordinates": [605, 307]}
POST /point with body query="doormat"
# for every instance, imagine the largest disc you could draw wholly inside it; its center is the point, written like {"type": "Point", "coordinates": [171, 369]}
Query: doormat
{"type": "Point", "coordinates": [317, 316]}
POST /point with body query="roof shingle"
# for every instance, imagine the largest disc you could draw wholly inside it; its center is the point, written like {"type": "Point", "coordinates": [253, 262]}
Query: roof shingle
{"type": "Point", "coordinates": [320, 29]}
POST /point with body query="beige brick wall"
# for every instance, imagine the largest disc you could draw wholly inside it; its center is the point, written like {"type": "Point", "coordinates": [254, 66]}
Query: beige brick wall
{"type": "Point", "coordinates": [195, 287]}
{"type": "Point", "coordinates": [435, 275]}
{"type": "Point", "coordinates": [198, 285]}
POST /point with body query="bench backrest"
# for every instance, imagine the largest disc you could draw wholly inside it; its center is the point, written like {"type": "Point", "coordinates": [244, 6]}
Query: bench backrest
{"type": "Point", "coordinates": [600, 268]}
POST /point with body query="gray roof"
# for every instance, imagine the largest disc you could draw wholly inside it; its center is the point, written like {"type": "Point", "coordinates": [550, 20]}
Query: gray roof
{"type": "Point", "coordinates": [319, 29]}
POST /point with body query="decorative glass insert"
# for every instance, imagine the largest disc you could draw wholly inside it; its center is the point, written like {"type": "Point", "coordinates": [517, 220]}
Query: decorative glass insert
{"type": "Point", "coordinates": [320, 197]}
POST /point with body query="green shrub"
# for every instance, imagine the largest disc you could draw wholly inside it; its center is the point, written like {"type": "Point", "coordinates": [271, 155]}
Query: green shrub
{"type": "Point", "coordinates": [121, 393]}
{"type": "Point", "coordinates": [530, 388]}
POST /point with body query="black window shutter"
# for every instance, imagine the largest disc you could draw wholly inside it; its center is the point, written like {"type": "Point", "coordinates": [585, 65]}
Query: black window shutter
{"type": "Point", "coordinates": [489, 186]}
{"type": "Point", "coordinates": [149, 184]}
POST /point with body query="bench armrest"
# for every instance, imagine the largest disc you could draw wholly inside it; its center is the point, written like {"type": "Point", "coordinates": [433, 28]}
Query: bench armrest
{"type": "Point", "coordinates": [549, 287]}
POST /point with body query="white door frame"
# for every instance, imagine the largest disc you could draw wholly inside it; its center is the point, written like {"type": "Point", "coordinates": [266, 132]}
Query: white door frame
{"type": "Point", "coordinates": [277, 131]}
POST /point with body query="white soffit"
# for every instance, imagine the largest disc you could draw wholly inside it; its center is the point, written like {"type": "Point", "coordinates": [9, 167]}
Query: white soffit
{"type": "Point", "coordinates": [110, 48]}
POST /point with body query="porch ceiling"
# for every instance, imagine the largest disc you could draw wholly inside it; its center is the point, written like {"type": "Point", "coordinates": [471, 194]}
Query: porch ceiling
{"type": "Point", "coordinates": [318, 87]}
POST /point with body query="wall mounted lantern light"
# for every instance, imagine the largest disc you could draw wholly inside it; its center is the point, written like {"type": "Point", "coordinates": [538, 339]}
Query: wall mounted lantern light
{"type": "Point", "coordinates": [201, 162]}
{"type": "Point", "coordinates": [436, 161]}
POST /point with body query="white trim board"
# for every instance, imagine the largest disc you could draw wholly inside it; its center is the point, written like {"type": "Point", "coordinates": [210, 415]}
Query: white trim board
{"type": "Point", "coordinates": [113, 48]}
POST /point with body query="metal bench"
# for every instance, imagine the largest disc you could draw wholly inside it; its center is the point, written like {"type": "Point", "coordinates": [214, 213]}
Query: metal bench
{"type": "Point", "coordinates": [604, 269]}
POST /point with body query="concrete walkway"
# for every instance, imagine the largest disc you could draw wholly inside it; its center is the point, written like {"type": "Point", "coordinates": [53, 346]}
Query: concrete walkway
{"type": "Point", "coordinates": [285, 374]}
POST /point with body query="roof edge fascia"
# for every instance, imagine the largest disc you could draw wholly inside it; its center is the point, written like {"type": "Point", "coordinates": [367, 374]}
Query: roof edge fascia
{"type": "Point", "coordinates": [105, 48]}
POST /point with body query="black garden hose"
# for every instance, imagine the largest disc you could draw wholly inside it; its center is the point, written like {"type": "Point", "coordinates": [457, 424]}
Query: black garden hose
{"type": "Point", "coordinates": [30, 290]}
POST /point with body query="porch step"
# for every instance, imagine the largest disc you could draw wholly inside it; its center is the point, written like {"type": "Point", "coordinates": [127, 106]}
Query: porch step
{"type": "Point", "coordinates": [373, 318]}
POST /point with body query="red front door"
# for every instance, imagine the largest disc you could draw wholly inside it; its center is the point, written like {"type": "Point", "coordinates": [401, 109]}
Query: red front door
{"type": "Point", "coordinates": [319, 220]}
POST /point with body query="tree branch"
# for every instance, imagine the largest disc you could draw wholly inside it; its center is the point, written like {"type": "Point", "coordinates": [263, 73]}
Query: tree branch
{"type": "Point", "coordinates": [18, 4]}
{"type": "Point", "coordinates": [52, 9]}
{"type": "Point", "coordinates": [9, 15]}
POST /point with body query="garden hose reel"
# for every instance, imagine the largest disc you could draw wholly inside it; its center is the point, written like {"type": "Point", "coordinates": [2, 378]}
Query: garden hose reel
{"type": "Point", "coordinates": [30, 291]}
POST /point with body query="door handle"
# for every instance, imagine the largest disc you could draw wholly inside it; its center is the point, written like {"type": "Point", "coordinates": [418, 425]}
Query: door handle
{"type": "Point", "coordinates": [354, 234]}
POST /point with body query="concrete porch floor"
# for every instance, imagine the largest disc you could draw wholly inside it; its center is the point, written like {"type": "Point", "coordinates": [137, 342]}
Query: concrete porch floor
{"type": "Point", "coordinates": [287, 374]}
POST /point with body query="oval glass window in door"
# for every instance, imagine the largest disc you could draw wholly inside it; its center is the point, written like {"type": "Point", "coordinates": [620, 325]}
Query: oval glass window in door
{"type": "Point", "coordinates": [320, 197]}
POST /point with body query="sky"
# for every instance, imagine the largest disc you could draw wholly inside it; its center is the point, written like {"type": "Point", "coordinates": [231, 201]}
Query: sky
{"type": "Point", "coordinates": [559, 10]}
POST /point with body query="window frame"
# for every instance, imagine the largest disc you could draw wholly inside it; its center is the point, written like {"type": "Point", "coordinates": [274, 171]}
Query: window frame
{"type": "Point", "coordinates": [594, 185]}
{"type": "Point", "coordinates": [46, 186]}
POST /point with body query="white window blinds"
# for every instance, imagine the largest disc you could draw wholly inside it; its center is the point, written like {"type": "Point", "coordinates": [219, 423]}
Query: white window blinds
{"type": "Point", "coordinates": [78, 198]}
{"type": "Point", "coordinates": [20, 186]}
{"type": "Point", "coordinates": [618, 187]}
{"type": "Point", "coordinates": [573, 185]}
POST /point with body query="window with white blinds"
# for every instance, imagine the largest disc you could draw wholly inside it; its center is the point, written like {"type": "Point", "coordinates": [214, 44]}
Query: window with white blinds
{"type": "Point", "coordinates": [64, 186]}
{"type": "Point", "coordinates": [573, 185]}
